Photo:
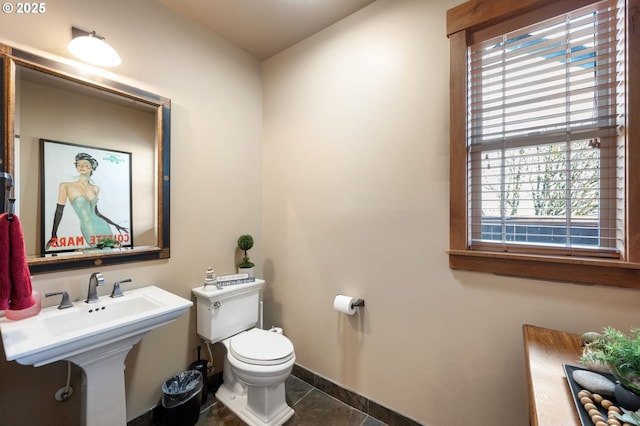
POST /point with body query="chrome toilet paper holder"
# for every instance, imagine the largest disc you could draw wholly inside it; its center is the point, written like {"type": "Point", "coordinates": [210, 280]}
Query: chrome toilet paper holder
{"type": "Point", "coordinates": [357, 302]}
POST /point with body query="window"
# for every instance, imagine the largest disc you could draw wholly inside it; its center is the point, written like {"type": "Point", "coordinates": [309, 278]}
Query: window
{"type": "Point", "coordinates": [544, 103]}
{"type": "Point", "coordinates": [542, 164]}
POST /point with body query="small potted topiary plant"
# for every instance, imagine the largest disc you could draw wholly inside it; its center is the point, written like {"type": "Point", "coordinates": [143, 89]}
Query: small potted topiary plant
{"type": "Point", "coordinates": [245, 242]}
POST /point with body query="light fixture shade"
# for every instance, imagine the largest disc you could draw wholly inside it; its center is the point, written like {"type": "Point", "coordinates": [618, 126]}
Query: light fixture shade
{"type": "Point", "coordinates": [94, 50]}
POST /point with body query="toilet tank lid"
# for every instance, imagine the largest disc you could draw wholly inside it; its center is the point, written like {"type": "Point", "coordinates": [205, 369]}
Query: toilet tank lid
{"type": "Point", "coordinates": [211, 292]}
{"type": "Point", "coordinates": [258, 346]}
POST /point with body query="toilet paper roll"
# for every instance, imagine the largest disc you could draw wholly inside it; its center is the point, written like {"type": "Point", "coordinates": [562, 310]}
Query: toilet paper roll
{"type": "Point", "coordinates": [344, 304]}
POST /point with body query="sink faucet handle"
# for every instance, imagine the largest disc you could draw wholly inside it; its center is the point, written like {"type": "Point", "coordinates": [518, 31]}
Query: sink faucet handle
{"type": "Point", "coordinates": [65, 302]}
{"type": "Point", "coordinates": [117, 291]}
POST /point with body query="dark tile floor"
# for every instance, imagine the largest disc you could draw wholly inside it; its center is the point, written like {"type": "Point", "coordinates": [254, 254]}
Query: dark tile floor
{"type": "Point", "coordinates": [312, 407]}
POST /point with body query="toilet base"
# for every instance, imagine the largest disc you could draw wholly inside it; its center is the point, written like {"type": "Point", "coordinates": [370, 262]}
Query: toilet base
{"type": "Point", "coordinates": [239, 406]}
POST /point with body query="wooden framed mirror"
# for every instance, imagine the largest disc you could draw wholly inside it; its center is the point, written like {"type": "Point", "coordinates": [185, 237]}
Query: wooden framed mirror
{"type": "Point", "coordinates": [47, 100]}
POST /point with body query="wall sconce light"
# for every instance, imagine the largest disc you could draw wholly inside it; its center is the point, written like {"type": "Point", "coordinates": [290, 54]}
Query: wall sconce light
{"type": "Point", "coordinates": [92, 48]}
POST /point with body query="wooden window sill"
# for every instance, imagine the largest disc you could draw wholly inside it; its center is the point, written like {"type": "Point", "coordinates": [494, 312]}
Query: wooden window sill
{"type": "Point", "coordinates": [557, 268]}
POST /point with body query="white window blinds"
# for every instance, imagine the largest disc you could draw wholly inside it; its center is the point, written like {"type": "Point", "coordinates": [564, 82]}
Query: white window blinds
{"type": "Point", "coordinates": [545, 142]}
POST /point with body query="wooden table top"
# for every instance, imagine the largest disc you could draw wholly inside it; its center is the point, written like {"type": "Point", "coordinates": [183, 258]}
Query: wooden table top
{"type": "Point", "coordinates": [550, 399]}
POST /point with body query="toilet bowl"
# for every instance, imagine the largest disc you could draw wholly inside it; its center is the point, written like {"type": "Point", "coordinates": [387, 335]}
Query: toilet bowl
{"type": "Point", "coordinates": [256, 366]}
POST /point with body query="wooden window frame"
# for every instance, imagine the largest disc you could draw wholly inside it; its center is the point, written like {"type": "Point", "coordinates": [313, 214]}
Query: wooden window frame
{"type": "Point", "coordinates": [478, 18]}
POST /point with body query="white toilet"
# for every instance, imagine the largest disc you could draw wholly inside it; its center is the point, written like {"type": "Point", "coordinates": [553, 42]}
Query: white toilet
{"type": "Point", "coordinates": [257, 362]}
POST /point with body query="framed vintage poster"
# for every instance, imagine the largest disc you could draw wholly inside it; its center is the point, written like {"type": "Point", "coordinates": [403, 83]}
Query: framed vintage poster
{"type": "Point", "coordinates": [85, 198]}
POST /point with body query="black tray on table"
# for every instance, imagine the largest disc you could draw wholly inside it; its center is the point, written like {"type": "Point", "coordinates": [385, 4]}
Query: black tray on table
{"type": "Point", "coordinates": [575, 388]}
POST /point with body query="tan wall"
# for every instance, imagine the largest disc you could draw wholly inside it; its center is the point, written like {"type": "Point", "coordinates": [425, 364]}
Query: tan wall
{"type": "Point", "coordinates": [356, 201]}
{"type": "Point", "coordinates": [216, 193]}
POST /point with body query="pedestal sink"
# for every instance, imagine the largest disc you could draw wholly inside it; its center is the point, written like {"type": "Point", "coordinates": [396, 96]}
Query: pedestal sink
{"type": "Point", "coordinates": [97, 337]}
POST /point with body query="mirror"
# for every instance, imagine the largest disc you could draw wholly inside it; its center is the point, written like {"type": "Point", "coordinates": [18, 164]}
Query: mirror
{"type": "Point", "coordinates": [90, 161]}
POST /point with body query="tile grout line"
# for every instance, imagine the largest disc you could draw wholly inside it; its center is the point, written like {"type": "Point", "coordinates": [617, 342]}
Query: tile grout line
{"type": "Point", "coordinates": [366, 415]}
{"type": "Point", "coordinates": [379, 411]}
{"type": "Point", "coordinates": [303, 397]}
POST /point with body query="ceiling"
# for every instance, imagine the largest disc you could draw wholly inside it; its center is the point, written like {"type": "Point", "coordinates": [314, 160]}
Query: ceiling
{"type": "Point", "coordinates": [265, 27]}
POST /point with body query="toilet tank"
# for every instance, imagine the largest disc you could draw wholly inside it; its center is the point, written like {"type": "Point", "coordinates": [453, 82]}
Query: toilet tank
{"type": "Point", "coordinates": [221, 313]}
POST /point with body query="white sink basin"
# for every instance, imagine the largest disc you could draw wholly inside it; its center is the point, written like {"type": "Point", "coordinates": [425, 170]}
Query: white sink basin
{"type": "Point", "coordinates": [65, 321]}
{"type": "Point", "coordinates": [55, 334]}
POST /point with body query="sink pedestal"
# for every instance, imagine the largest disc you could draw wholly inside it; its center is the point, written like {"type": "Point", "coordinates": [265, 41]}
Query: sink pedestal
{"type": "Point", "coordinates": [103, 402]}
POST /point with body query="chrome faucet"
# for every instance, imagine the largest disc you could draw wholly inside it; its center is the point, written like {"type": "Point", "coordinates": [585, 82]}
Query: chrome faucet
{"type": "Point", "coordinates": [95, 281]}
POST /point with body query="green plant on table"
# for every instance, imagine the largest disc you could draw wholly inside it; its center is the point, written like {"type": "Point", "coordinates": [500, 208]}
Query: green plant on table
{"type": "Point", "coordinates": [621, 352]}
{"type": "Point", "coordinates": [630, 417]}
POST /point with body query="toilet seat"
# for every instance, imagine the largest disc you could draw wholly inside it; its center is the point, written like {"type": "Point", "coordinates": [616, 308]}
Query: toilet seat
{"type": "Point", "coordinates": [261, 347]}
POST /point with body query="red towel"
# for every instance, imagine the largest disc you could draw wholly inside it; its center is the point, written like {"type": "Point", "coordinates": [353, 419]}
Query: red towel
{"type": "Point", "coordinates": [15, 279]}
